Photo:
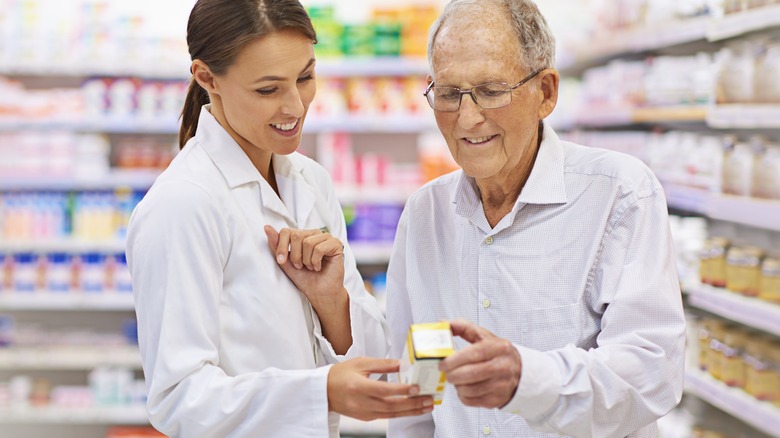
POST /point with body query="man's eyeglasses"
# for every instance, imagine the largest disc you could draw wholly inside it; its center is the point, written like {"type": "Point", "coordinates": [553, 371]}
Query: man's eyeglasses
{"type": "Point", "coordinates": [488, 96]}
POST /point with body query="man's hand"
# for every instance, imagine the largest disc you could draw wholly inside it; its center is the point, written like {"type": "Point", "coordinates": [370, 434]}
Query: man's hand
{"type": "Point", "coordinates": [351, 392]}
{"type": "Point", "coordinates": [487, 372]}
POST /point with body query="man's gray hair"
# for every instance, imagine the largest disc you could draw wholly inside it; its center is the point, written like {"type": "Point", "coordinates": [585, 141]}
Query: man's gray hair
{"type": "Point", "coordinates": [537, 43]}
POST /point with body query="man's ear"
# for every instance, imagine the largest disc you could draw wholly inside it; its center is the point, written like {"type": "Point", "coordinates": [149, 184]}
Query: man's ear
{"type": "Point", "coordinates": [202, 74]}
{"type": "Point", "coordinates": [549, 82]}
{"type": "Point", "coordinates": [428, 80]}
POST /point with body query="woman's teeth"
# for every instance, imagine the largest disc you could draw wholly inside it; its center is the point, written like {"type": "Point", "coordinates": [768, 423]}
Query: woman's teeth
{"type": "Point", "coordinates": [285, 126]}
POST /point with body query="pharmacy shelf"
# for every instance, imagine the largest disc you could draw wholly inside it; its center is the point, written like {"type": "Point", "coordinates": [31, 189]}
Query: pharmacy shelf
{"type": "Point", "coordinates": [331, 67]}
{"type": "Point", "coordinates": [364, 252]}
{"type": "Point", "coordinates": [761, 415]}
{"type": "Point", "coordinates": [104, 246]}
{"type": "Point", "coordinates": [351, 426]}
{"type": "Point", "coordinates": [664, 35]}
{"type": "Point", "coordinates": [623, 116]}
{"type": "Point", "coordinates": [753, 212]}
{"type": "Point", "coordinates": [639, 40]}
{"type": "Point", "coordinates": [387, 124]}
{"type": "Point", "coordinates": [690, 199]}
{"type": "Point", "coordinates": [107, 125]}
{"type": "Point", "coordinates": [396, 195]}
{"type": "Point", "coordinates": [125, 179]}
{"type": "Point", "coordinates": [739, 116]}
{"type": "Point", "coordinates": [744, 310]}
{"type": "Point", "coordinates": [734, 25]}
{"type": "Point", "coordinates": [66, 301]}
{"type": "Point", "coordinates": [761, 213]}
{"type": "Point", "coordinates": [378, 123]}
{"type": "Point", "coordinates": [68, 357]}
{"type": "Point", "coordinates": [372, 253]}
{"type": "Point", "coordinates": [372, 66]}
{"type": "Point", "coordinates": [126, 415]}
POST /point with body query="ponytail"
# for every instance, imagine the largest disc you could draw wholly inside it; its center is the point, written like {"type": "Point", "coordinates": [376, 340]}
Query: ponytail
{"type": "Point", "coordinates": [196, 98]}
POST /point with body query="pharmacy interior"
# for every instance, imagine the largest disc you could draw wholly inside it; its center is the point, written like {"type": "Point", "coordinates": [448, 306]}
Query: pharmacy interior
{"type": "Point", "coordinates": [91, 92]}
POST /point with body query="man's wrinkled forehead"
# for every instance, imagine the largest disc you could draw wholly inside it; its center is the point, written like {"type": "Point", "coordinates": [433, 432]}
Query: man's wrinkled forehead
{"type": "Point", "coordinates": [470, 25]}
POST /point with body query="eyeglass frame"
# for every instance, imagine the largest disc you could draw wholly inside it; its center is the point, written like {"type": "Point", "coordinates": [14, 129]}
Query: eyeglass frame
{"type": "Point", "coordinates": [470, 92]}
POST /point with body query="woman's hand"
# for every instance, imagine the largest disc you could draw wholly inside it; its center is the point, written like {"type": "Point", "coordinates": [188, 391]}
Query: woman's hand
{"type": "Point", "coordinates": [351, 392]}
{"type": "Point", "coordinates": [313, 260]}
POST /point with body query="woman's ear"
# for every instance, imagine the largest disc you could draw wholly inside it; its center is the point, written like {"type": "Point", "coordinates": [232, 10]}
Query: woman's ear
{"type": "Point", "coordinates": [550, 79]}
{"type": "Point", "coordinates": [203, 75]}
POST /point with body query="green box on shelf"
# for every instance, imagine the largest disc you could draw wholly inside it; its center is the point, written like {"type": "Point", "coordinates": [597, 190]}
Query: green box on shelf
{"type": "Point", "coordinates": [329, 37]}
{"type": "Point", "coordinates": [358, 40]}
{"type": "Point", "coordinates": [325, 13]}
{"type": "Point", "coordinates": [387, 39]}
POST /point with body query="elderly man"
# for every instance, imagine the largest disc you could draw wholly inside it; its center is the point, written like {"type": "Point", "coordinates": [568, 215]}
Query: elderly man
{"type": "Point", "coordinates": [553, 261]}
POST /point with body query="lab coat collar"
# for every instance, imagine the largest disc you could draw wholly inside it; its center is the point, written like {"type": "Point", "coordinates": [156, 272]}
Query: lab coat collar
{"type": "Point", "coordinates": [227, 155]}
{"type": "Point", "coordinates": [297, 194]}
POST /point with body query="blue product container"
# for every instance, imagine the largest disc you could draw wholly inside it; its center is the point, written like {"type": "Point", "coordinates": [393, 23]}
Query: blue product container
{"type": "Point", "coordinates": [122, 280]}
{"type": "Point", "coordinates": [25, 272]}
{"type": "Point", "coordinates": [93, 272]}
{"type": "Point", "coordinates": [2, 271]}
{"type": "Point", "coordinates": [59, 271]}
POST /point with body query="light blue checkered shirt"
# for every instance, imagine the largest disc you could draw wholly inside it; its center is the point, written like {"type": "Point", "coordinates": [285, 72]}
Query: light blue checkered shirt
{"type": "Point", "coordinates": [580, 276]}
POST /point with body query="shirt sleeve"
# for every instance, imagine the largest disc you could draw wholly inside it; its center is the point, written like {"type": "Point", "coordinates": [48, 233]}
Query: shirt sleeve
{"type": "Point", "coordinates": [636, 372]}
{"type": "Point", "coordinates": [178, 243]}
{"type": "Point", "coordinates": [369, 329]}
{"type": "Point", "coordinates": [399, 318]}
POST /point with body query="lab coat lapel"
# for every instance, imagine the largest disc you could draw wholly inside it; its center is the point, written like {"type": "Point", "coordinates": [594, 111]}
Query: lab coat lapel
{"type": "Point", "coordinates": [296, 193]}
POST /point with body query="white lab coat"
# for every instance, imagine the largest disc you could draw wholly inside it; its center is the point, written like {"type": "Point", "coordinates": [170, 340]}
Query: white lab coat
{"type": "Point", "coordinates": [230, 347]}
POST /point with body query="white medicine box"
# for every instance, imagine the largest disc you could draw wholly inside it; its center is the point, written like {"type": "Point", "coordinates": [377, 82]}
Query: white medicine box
{"type": "Point", "coordinates": [426, 345]}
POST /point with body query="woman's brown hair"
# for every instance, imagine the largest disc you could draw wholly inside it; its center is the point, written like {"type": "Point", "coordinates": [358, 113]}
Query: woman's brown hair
{"type": "Point", "coordinates": [217, 31]}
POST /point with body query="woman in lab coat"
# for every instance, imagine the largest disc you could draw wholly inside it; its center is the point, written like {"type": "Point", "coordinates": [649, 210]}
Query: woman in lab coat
{"type": "Point", "coordinates": [252, 317]}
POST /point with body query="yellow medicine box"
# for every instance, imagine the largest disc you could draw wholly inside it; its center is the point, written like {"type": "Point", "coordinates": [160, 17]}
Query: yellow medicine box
{"type": "Point", "coordinates": [426, 346]}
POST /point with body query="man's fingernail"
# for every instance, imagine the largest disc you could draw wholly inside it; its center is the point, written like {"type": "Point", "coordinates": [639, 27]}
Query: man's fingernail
{"type": "Point", "coordinates": [414, 390]}
{"type": "Point", "coordinates": [280, 258]}
{"type": "Point", "coordinates": [297, 265]}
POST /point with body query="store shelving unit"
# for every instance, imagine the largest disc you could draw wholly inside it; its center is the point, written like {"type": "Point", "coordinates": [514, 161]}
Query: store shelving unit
{"type": "Point", "coordinates": [64, 302]}
{"type": "Point", "coordinates": [401, 123]}
{"type": "Point", "coordinates": [753, 212]}
{"type": "Point", "coordinates": [761, 415]}
{"type": "Point", "coordinates": [664, 35]}
{"type": "Point", "coordinates": [748, 311]}
{"type": "Point", "coordinates": [68, 357]}
{"type": "Point", "coordinates": [732, 116]}
{"type": "Point", "coordinates": [326, 66]}
{"type": "Point", "coordinates": [127, 415]}
{"type": "Point", "coordinates": [131, 179]}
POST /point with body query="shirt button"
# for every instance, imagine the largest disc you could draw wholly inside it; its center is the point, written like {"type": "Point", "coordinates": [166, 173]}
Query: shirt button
{"type": "Point", "coordinates": [486, 430]}
{"type": "Point", "coordinates": [486, 303]}
{"type": "Point", "coordinates": [489, 240]}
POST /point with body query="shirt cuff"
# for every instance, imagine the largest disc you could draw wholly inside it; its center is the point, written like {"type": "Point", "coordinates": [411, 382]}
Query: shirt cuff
{"type": "Point", "coordinates": [539, 386]}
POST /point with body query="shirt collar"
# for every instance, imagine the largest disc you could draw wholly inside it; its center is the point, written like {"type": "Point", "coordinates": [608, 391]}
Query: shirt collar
{"type": "Point", "coordinates": [545, 185]}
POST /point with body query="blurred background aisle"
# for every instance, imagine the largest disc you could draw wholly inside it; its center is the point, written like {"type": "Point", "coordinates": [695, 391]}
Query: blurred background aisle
{"type": "Point", "coordinates": [90, 92]}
